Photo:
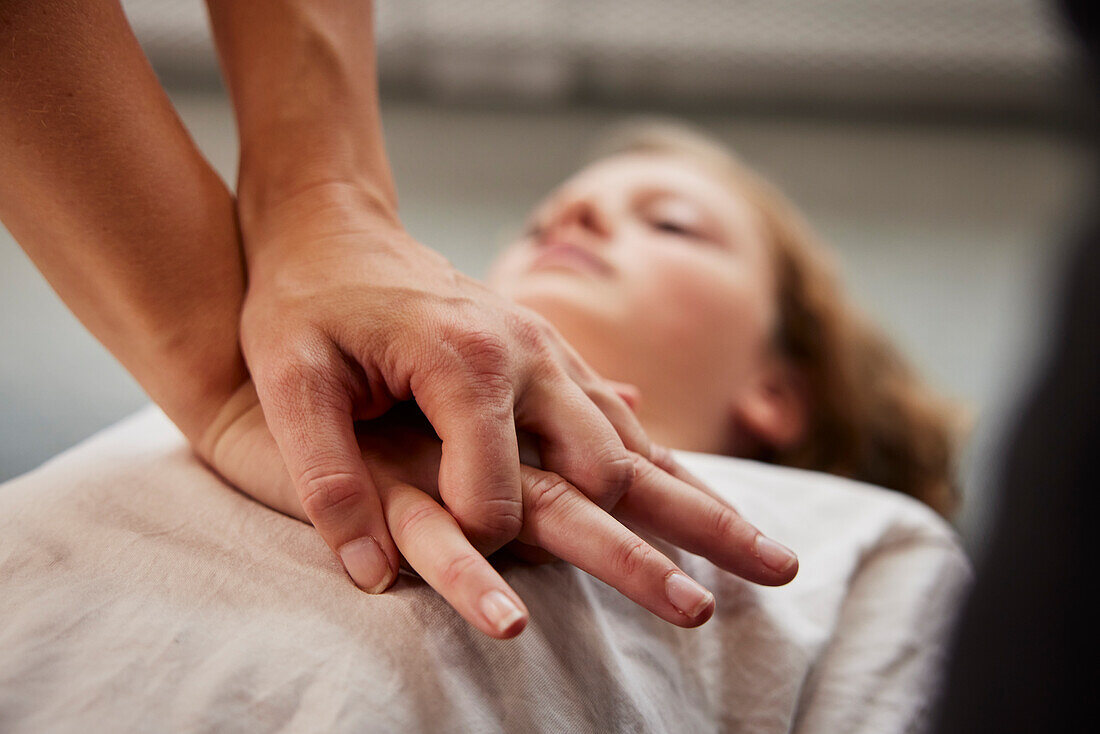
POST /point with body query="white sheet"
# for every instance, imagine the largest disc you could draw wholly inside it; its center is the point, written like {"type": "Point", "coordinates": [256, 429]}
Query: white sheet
{"type": "Point", "coordinates": [140, 593]}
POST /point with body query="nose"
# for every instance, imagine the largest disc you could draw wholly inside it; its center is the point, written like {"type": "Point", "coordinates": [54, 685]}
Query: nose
{"type": "Point", "coordinates": [582, 213]}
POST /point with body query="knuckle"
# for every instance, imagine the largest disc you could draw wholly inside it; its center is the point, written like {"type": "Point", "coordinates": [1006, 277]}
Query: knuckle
{"type": "Point", "coordinates": [415, 522]}
{"type": "Point", "coordinates": [532, 330]}
{"type": "Point", "coordinates": [456, 568]}
{"type": "Point", "coordinates": [323, 495]}
{"type": "Point", "coordinates": [501, 524]}
{"type": "Point", "coordinates": [631, 556]}
{"type": "Point", "coordinates": [480, 350]}
{"type": "Point", "coordinates": [546, 494]}
{"type": "Point", "coordinates": [645, 472]}
{"type": "Point", "coordinates": [719, 521]}
{"type": "Point", "coordinates": [643, 467]}
{"type": "Point", "coordinates": [480, 361]}
{"type": "Point", "coordinates": [283, 377]}
{"type": "Point", "coordinates": [617, 472]}
{"type": "Point", "coordinates": [293, 370]}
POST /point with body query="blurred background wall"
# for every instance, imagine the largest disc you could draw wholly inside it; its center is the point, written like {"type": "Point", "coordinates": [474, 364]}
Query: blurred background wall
{"type": "Point", "coordinates": [930, 141]}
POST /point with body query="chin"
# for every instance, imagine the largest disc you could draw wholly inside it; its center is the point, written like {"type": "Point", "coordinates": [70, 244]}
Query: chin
{"type": "Point", "coordinates": [600, 335]}
{"type": "Point", "coordinates": [576, 306]}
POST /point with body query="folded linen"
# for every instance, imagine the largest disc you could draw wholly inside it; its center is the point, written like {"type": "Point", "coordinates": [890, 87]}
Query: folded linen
{"type": "Point", "coordinates": [139, 592]}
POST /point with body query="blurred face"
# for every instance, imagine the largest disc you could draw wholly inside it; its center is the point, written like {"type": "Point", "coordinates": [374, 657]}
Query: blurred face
{"type": "Point", "coordinates": [657, 271]}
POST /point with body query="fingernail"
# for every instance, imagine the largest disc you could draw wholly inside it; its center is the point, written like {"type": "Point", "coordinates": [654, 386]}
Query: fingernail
{"type": "Point", "coordinates": [687, 595]}
{"type": "Point", "coordinates": [367, 564]}
{"type": "Point", "coordinates": [775, 556]}
{"type": "Point", "coordinates": [501, 611]}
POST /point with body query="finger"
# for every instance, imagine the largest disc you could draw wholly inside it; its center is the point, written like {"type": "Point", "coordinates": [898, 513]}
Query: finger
{"type": "Point", "coordinates": [669, 508]}
{"type": "Point", "coordinates": [663, 458]}
{"type": "Point", "coordinates": [619, 412]}
{"type": "Point", "coordinates": [577, 441]}
{"type": "Point", "coordinates": [479, 470]}
{"type": "Point", "coordinates": [612, 398]}
{"type": "Point", "coordinates": [433, 544]}
{"type": "Point", "coordinates": [239, 446]}
{"type": "Point", "coordinates": [310, 418]}
{"type": "Point", "coordinates": [559, 519]}
{"type": "Point", "coordinates": [630, 394]}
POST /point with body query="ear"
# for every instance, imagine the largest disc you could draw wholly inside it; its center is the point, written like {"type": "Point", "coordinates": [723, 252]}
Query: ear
{"type": "Point", "coordinates": [773, 413]}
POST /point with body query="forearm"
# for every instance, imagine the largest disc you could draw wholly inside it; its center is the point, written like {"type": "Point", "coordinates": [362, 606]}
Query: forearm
{"type": "Point", "coordinates": [302, 74]}
{"type": "Point", "coordinates": [109, 197]}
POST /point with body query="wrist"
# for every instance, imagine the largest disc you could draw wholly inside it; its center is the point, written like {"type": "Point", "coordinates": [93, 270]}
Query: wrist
{"type": "Point", "coordinates": [316, 213]}
{"type": "Point", "coordinates": [191, 376]}
{"type": "Point", "coordinates": [286, 160]}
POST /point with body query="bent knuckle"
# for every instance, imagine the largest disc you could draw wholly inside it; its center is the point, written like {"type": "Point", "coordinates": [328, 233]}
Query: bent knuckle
{"type": "Point", "coordinates": [284, 377]}
{"type": "Point", "coordinates": [480, 371]}
{"type": "Point", "coordinates": [532, 331]}
{"type": "Point", "coordinates": [617, 471]}
{"type": "Point", "coordinates": [501, 523]}
{"type": "Point", "coordinates": [546, 494]}
{"type": "Point", "coordinates": [456, 568]}
{"type": "Point", "coordinates": [415, 522]}
{"type": "Point", "coordinates": [630, 556]}
{"type": "Point", "coordinates": [326, 495]}
{"type": "Point", "coordinates": [293, 370]}
{"type": "Point", "coordinates": [643, 467]}
{"type": "Point", "coordinates": [480, 350]}
{"type": "Point", "coordinates": [718, 521]}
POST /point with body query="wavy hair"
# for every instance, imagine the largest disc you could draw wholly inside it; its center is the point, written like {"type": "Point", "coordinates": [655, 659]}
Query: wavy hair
{"type": "Point", "coordinates": [871, 417]}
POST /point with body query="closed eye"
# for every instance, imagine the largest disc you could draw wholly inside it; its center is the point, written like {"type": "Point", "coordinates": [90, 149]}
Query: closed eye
{"type": "Point", "coordinates": [676, 228]}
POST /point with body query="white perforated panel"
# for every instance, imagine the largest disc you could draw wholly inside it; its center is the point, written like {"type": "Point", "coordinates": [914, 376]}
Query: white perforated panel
{"type": "Point", "coordinates": [935, 52]}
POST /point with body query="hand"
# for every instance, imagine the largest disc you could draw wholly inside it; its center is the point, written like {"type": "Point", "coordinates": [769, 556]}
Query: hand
{"type": "Point", "coordinates": [346, 314]}
{"type": "Point", "coordinates": [404, 455]}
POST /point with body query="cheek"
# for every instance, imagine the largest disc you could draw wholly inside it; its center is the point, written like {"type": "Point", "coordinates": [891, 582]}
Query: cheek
{"type": "Point", "coordinates": [709, 313]}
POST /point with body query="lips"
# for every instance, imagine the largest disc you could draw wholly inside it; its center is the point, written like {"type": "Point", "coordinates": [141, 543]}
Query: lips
{"type": "Point", "coordinates": [570, 257]}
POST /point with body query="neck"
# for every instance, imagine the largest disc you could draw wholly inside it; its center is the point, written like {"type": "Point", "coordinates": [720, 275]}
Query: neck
{"type": "Point", "coordinates": [703, 431]}
{"type": "Point", "coordinates": [682, 415]}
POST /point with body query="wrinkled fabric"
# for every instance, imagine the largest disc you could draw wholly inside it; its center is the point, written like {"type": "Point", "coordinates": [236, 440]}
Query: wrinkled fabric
{"type": "Point", "coordinates": [138, 592]}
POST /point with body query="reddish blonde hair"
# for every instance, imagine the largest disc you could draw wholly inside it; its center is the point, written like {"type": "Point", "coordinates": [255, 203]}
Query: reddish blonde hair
{"type": "Point", "coordinates": [871, 417]}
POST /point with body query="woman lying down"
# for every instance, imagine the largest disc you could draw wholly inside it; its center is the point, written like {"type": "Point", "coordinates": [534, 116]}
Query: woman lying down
{"type": "Point", "coordinates": [672, 269]}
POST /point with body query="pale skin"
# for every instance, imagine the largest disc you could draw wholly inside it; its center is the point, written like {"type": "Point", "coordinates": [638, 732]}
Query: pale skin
{"type": "Point", "coordinates": [346, 314]}
{"type": "Point", "coordinates": [110, 198]}
{"type": "Point", "coordinates": [633, 254]}
{"type": "Point", "coordinates": [657, 270]}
